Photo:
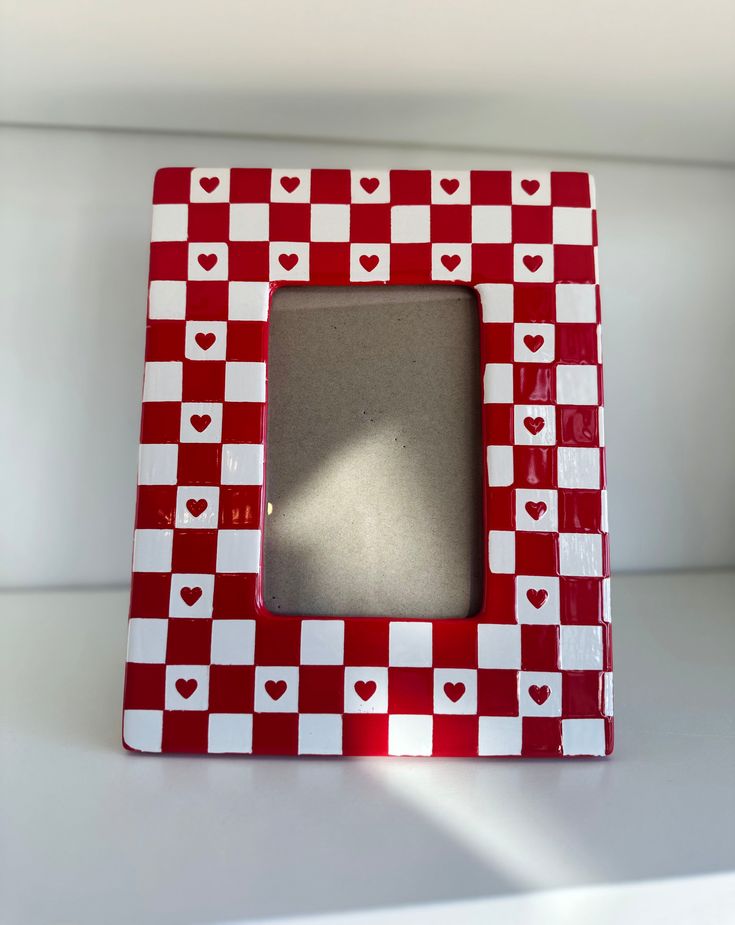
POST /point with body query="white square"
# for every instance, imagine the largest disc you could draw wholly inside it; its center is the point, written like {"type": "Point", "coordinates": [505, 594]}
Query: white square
{"type": "Point", "coordinates": [366, 690]}
{"type": "Point", "coordinates": [238, 551]}
{"type": "Point", "coordinates": [450, 188]}
{"type": "Point", "coordinates": [187, 687]}
{"type": "Point", "coordinates": [500, 735]}
{"type": "Point", "coordinates": [498, 384]}
{"type": "Point", "coordinates": [536, 510]}
{"type": "Point", "coordinates": [497, 302]}
{"type": "Point", "coordinates": [205, 340]}
{"type": "Point", "coordinates": [208, 261]}
{"type": "Point", "coordinates": [455, 691]}
{"type": "Point", "coordinates": [369, 263]}
{"type": "Point", "coordinates": [147, 641]}
{"type": "Point", "coordinates": [276, 689]}
{"type": "Point", "coordinates": [370, 185]}
{"type": "Point", "coordinates": [163, 381]}
{"type": "Point", "coordinates": [248, 301]}
{"type": "Point", "coordinates": [491, 224]}
{"type": "Point", "coordinates": [322, 642]}
{"type": "Point", "coordinates": [290, 185]}
{"type": "Point", "coordinates": [245, 382]}
{"type": "Point", "coordinates": [580, 554]}
{"type": "Point", "coordinates": [233, 642]}
{"type": "Point", "coordinates": [531, 188]}
{"type": "Point", "coordinates": [210, 184]}
{"type": "Point", "coordinates": [606, 600]}
{"type": "Point", "coordinates": [537, 599]}
{"type": "Point", "coordinates": [330, 222]}
{"type": "Point", "coordinates": [289, 260]}
{"type": "Point", "coordinates": [578, 467]}
{"type": "Point", "coordinates": [534, 425]}
{"type": "Point", "coordinates": [320, 734]}
{"type": "Point", "coordinates": [581, 648]}
{"type": "Point", "coordinates": [167, 299]}
{"type": "Point", "coordinates": [170, 223]}
{"type": "Point", "coordinates": [152, 550]}
{"type": "Point", "coordinates": [242, 464]}
{"type": "Point", "coordinates": [576, 385]}
{"type": "Point", "coordinates": [410, 224]}
{"type": "Point", "coordinates": [601, 425]}
{"type": "Point", "coordinates": [533, 343]}
{"type": "Point", "coordinates": [539, 693]}
{"type": "Point", "coordinates": [572, 226]}
{"type": "Point", "coordinates": [158, 463]}
{"type": "Point", "coordinates": [191, 595]}
{"type": "Point", "coordinates": [576, 303]}
{"type": "Point", "coordinates": [410, 644]}
{"type": "Point", "coordinates": [450, 262]}
{"type": "Point", "coordinates": [499, 465]}
{"type": "Point", "coordinates": [201, 422]}
{"type": "Point", "coordinates": [608, 693]}
{"type": "Point", "coordinates": [583, 736]}
{"type": "Point", "coordinates": [197, 507]}
{"type": "Point", "coordinates": [143, 730]}
{"type": "Point", "coordinates": [498, 645]}
{"type": "Point", "coordinates": [230, 733]}
{"type": "Point", "coordinates": [249, 221]}
{"type": "Point", "coordinates": [533, 263]}
{"type": "Point", "coordinates": [410, 734]}
{"type": "Point", "coordinates": [501, 552]}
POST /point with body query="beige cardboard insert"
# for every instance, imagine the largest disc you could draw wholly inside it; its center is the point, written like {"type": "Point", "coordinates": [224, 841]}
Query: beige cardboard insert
{"type": "Point", "coordinates": [373, 458]}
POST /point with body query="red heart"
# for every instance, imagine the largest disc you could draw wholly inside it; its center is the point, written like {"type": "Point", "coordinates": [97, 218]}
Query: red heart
{"type": "Point", "coordinates": [369, 184]}
{"type": "Point", "coordinates": [533, 262]}
{"type": "Point", "coordinates": [288, 261]}
{"type": "Point", "coordinates": [537, 597]}
{"type": "Point", "coordinates": [207, 261]}
{"type": "Point", "coordinates": [205, 341]}
{"type": "Point", "coordinates": [190, 595]}
{"type": "Point", "coordinates": [186, 687]}
{"type": "Point", "coordinates": [451, 261]}
{"type": "Point", "coordinates": [454, 691]}
{"type": "Point", "coordinates": [365, 689]}
{"type": "Point", "coordinates": [200, 422]}
{"type": "Point", "coordinates": [533, 342]}
{"type": "Point", "coordinates": [449, 186]}
{"type": "Point", "coordinates": [534, 425]}
{"type": "Point", "coordinates": [369, 262]}
{"type": "Point", "coordinates": [196, 507]}
{"type": "Point", "coordinates": [275, 689]}
{"type": "Point", "coordinates": [540, 694]}
{"type": "Point", "coordinates": [290, 183]}
{"type": "Point", "coordinates": [530, 186]}
{"type": "Point", "coordinates": [536, 509]}
{"type": "Point", "coordinates": [209, 184]}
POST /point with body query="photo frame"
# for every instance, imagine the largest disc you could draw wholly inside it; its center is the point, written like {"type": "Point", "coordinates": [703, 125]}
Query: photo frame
{"type": "Point", "coordinates": [209, 668]}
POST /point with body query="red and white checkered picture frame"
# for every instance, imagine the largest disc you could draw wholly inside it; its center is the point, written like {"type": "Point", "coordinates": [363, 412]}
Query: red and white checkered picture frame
{"type": "Point", "coordinates": [209, 668]}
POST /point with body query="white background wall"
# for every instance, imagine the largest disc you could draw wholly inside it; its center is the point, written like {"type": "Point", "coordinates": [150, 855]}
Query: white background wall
{"type": "Point", "coordinates": [640, 87]}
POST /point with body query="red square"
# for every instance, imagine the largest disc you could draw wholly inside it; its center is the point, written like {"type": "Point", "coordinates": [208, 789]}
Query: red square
{"type": "Point", "coordinates": [239, 506]}
{"type": "Point", "coordinates": [209, 221]}
{"type": "Point", "coordinates": [250, 260]}
{"type": "Point", "coordinates": [160, 422]}
{"type": "Point", "coordinates": [290, 221]}
{"type": "Point", "coordinates": [194, 551]}
{"type": "Point", "coordinates": [534, 466]}
{"type": "Point", "coordinates": [247, 341]}
{"type": "Point", "coordinates": [243, 422]}
{"type": "Point", "coordinates": [534, 302]}
{"type": "Point", "coordinates": [570, 189]}
{"type": "Point", "coordinates": [207, 301]}
{"type": "Point", "coordinates": [321, 689]}
{"type": "Point", "coordinates": [533, 383]}
{"type": "Point", "coordinates": [164, 340]}
{"type": "Point", "coordinates": [231, 688]}
{"type": "Point", "coordinates": [366, 642]}
{"type": "Point", "coordinates": [532, 225]}
{"type": "Point", "coordinates": [496, 343]}
{"type": "Point", "coordinates": [250, 185]}
{"type": "Point", "coordinates": [234, 596]}
{"type": "Point", "coordinates": [574, 263]}
{"type": "Point", "coordinates": [185, 731]}
{"type": "Point", "coordinates": [169, 260]}
{"type": "Point", "coordinates": [500, 598]}
{"type": "Point", "coordinates": [580, 600]}
{"type": "Point", "coordinates": [203, 380]}
{"type": "Point", "coordinates": [539, 648]}
{"type": "Point", "coordinates": [451, 224]}
{"type": "Point", "coordinates": [410, 187]}
{"type": "Point", "coordinates": [199, 464]}
{"type": "Point", "coordinates": [492, 263]}
{"type": "Point", "coordinates": [410, 690]}
{"type": "Point", "coordinates": [536, 554]}
{"type": "Point", "coordinates": [410, 264]}
{"type": "Point", "coordinates": [541, 737]}
{"type": "Point", "coordinates": [275, 733]}
{"type": "Point", "coordinates": [329, 264]}
{"type": "Point", "coordinates": [501, 508]}
{"type": "Point", "coordinates": [189, 642]}
{"type": "Point", "coordinates": [580, 511]}
{"type": "Point", "coordinates": [498, 424]}
{"type": "Point", "coordinates": [497, 692]}
{"type": "Point", "coordinates": [576, 343]}
{"type": "Point", "coordinates": [277, 641]}
{"type": "Point", "coordinates": [172, 185]}
{"type": "Point", "coordinates": [490, 187]}
{"type": "Point", "coordinates": [145, 686]}
{"type": "Point", "coordinates": [149, 594]}
{"type": "Point", "coordinates": [455, 736]}
{"type": "Point", "coordinates": [156, 507]}
{"type": "Point", "coordinates": [332, 186]}
{"type": "Point", "coordinates": [582, 694]}
{"type": "Point", "coordinates": [577, 426]}
{"type": "Point", "coordinates": [370, 223]}
{"type": "Point", "coordinates": [455, 643]}
{"type": "Point", "coordinates": [365, 734]}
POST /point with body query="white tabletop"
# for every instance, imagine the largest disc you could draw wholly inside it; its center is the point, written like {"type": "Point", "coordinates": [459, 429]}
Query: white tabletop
{"type": "Point", "coordinates": [92, 834]}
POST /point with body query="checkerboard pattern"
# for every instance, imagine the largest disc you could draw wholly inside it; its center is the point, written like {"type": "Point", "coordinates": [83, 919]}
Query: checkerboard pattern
{"type": "Point", "coordinates": [209, 669]}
